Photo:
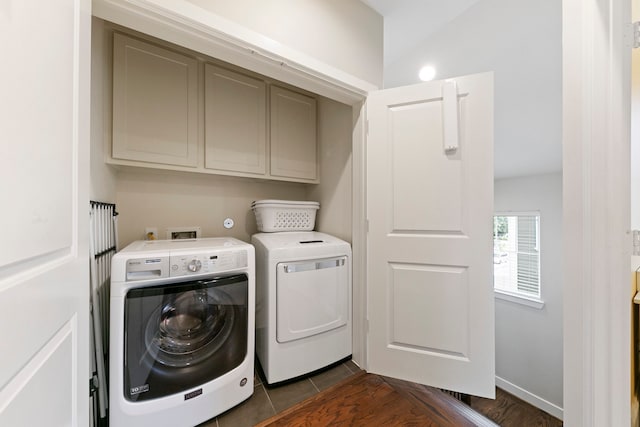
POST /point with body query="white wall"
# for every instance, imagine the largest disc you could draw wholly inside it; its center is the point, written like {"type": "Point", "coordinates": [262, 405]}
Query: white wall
{"type": "Point", "coordinates": [529, 340]}
{"type": "Point", "coordinates": [345, 34]}
{"type": "Point", "coordinates": [520, 41]}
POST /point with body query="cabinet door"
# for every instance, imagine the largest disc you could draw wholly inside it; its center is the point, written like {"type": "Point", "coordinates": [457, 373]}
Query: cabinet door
{"type": "Point", "coordinates": [293, 135]}
{"type": "Point", "coordinates": [155, 104]}
{"type": "Point", "coordinates": [235, 121]}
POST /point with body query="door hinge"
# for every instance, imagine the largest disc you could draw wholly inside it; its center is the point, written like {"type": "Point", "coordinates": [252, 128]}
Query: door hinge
{"type": "Point", "coordinates": [636, 35]}
{"type": "Point", "coordinates": [636, 242]}
{"type": "Point", "coordinates": [366, 127]}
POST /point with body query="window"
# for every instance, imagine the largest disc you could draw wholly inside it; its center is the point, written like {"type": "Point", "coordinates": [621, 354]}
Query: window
{"type": "Point", "coordinates": [516, 254]}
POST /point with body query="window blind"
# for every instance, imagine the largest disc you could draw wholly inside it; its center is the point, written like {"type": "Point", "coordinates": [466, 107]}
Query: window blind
{"type": "Point", "coordinates": [528, 256]}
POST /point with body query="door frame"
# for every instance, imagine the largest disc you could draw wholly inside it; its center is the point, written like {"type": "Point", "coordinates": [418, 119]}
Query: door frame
{"type": "Point", "coordinates": [596, 127]}
{"type": "Point", "coordinates": [596, 210]}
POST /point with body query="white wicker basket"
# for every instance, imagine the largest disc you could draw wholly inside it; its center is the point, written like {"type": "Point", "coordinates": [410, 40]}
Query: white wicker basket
{"type": "Point", "coordinates": [285, 215]}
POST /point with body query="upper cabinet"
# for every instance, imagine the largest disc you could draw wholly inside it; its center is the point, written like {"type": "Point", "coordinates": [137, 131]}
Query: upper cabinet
{"type": "Point", "coordinates": [155, 104]}
{"type": "Point", "coordinates": [235, 123]}
{"type": "Point", "coordinates": [293, 134]}
{"type": "Point", "coordinates": [181, 112]}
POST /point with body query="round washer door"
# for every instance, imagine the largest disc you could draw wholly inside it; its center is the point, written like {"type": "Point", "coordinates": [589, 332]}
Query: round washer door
{"type": "Point", "coordinates": [180, 336]}
{"type": "Point", "coordinates": [190, 326]}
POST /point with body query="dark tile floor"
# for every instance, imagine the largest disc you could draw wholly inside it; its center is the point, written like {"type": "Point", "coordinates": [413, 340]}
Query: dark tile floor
{"type": "Point", "coordinates": [267, 401]}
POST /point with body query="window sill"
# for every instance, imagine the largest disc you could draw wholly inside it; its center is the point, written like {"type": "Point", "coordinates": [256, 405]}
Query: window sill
{"type": "Point", "coordinates": [519, 299]}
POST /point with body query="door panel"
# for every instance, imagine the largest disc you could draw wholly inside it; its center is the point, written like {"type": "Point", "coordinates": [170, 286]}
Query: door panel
{"type": "Point", "coordinates": [51, 384]}
{"type": "Point", "coordinates": [438, 290]}
{"type": "Point", "coordinates": [430, 212]}
{"type": "Point", "coordinates": [416, 188]}
{"type": "Point", "coordinates": [44, 265]}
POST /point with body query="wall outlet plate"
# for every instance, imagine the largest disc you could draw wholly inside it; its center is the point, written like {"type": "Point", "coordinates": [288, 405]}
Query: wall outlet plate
{"type": "Point", "coordinates": [174, 233]}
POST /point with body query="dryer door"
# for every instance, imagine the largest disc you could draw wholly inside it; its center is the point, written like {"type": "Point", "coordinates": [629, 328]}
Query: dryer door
{"type": "Point", "coordinates": [312, 297]}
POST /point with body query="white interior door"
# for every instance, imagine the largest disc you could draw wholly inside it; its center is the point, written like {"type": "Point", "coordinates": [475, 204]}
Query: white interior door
{"type": "Point", "coordinates": [44, 291]}
{"type": "Point", "coordinates": [430, 211]}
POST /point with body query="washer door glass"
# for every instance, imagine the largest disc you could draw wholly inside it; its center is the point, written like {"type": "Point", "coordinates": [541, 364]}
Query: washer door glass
{"type": "Point", "coordinates": [179, 336]}
{"type": "Point", "coordinates": [190, 326]}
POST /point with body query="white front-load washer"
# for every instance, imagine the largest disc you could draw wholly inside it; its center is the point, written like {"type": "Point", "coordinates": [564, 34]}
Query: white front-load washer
{"type": "Point", "coordinates": [181, 331]}
{"type": "Point", "coordinates": [303, 302]}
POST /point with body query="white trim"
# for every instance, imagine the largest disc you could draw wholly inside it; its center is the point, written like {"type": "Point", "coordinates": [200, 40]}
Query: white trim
{"type": "Point", "coordinates": [596, 206]}
{"type": "Point", "coordinates": [188, 25]}
{"type": "Point", "coordinates": [530, 398]}
{"type": "Point", "coordinates": [518, 299]}
{"type": "Point", "coordinates": [359, 237]}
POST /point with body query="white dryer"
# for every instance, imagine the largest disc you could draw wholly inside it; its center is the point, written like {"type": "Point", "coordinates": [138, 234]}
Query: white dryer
{"type": "Point", "coordinates": [303, 302]}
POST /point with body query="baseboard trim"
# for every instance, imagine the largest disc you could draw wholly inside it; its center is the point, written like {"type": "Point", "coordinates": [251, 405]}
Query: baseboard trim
{"type": "Point", "coordinates": [530, 398]}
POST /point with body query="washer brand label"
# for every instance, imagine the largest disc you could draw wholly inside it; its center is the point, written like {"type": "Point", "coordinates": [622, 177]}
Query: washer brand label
{"type": "Point", "coordinates": [193, 394]}
{"type": "Point", "coordinates": [139, 389]}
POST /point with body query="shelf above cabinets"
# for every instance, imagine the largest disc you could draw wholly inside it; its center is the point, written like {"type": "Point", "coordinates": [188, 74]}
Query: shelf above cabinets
{"type": "Point", "coordinates": [173, 110]}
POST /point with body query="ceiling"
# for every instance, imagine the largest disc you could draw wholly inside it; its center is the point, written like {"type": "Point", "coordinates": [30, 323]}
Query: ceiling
{"type": "Point", "coordinates": [407, 22]}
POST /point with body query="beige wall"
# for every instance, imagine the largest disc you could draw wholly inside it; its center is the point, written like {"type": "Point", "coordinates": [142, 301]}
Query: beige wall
{"type": "Point", "coordinates": [102, 186]}
{"type": "Point", "coordinates": [335, 189]}
{"type": "Point", "coordinates": [152, 198]}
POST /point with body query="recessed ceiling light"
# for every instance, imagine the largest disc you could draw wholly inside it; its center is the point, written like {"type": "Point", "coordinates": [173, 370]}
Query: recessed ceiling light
{"type": "Point", "coordinates": [427, 73]}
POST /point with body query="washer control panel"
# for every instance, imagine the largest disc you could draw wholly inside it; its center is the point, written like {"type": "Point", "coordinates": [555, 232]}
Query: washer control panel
{"type": "Point", "coordinates": [204, 263]}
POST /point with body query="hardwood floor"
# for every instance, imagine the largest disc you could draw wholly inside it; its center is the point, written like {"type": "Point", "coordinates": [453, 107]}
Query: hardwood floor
{"type": "Point", "coordinates": [271, 404]}
{"type": "Point", "coordinates": [372, 400]}
{"type": "Point", "coordinates": [509, 411]}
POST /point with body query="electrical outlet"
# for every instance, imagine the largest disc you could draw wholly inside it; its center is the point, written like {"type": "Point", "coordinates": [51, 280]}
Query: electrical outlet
{"type": "Point", "coordinates": [151, 233]}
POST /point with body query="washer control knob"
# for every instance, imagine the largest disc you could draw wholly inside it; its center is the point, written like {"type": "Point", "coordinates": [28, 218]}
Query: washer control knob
{"type": "Point", "coordinates": [194, 266]}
